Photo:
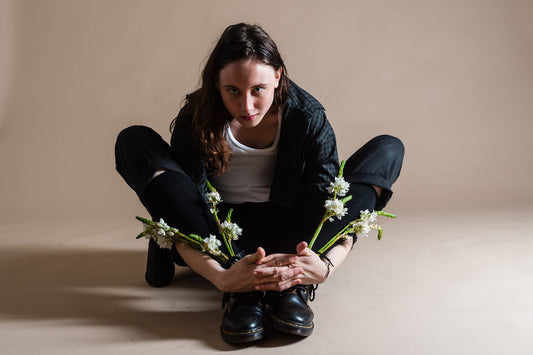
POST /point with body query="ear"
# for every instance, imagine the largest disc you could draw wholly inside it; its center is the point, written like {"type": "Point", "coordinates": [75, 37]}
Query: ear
{"type": "Point", "coordinates": [278, 77]}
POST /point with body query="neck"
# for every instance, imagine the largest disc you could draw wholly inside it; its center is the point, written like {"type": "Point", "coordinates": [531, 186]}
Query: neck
{"type": "Point", "coordinates": [260, 136]}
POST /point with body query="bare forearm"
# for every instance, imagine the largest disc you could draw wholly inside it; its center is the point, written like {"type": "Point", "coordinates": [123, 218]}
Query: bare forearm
{"type": "Point", "coordinates": [338, 254]}
{"type": "Point", "coordinates": [202, 264]}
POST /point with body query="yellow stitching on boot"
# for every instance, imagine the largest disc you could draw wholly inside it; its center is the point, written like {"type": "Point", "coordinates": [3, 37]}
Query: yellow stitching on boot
{"type": "Point", "coordinates": [239, 333]}
{"type": "Point", "coordinates": [289, 323]}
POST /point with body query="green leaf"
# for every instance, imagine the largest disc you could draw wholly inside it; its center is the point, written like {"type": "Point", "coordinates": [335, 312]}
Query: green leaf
{"type": "Point", "coordinates": [141, 235]}
{"type": "Point", "coordinates": [346, 199]}
{"type": "Point", "coordinates": [144, 220]}
{"type": "Point", "coordinates": [228, 216]}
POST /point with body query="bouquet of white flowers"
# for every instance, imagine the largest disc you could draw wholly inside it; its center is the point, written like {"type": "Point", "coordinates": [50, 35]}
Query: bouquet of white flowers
{"type": "Point", "coordinates": [165, 236]}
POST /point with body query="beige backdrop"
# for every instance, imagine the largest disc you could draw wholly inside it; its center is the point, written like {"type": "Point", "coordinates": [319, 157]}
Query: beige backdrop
{"type": "Point", "coordinates": [452, 79]}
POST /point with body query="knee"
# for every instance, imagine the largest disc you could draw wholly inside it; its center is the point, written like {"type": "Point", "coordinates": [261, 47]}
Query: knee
{"type": "Point", "coordinates": [129, 142]}
{"type": "Point", "coordinates": [132, 135]}
{"type": "Point", "coordinates": [390, 147]}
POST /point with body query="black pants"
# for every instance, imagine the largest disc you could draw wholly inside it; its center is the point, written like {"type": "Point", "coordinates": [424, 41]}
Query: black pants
{"type": "Point", "coordinates": [173, 196]}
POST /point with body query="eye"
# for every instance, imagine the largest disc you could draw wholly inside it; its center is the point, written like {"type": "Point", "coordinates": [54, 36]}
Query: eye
{"type": "Point", "coordinates": [233, 91]}
{"type": "Point", "coordinates": [258, 90]}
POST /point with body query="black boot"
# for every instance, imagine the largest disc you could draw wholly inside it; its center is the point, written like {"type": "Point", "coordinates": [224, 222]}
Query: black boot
{"type": "Point", "coordinates": [159, 266]}
{"type": "Point", "coordinates": [288, 311]}
{"type": "Point", "coordinates": [243, 317]}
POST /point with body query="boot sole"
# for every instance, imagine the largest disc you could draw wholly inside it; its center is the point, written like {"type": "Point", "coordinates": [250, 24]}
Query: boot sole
{"type": "Point", "coordinates": [242, 337]}
{"type": "Point", "coordinates": [303, 330]}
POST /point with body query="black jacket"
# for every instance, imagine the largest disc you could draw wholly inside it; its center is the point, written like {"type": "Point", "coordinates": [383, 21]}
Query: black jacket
{"type": "Point", "coordinates": [307, 153]}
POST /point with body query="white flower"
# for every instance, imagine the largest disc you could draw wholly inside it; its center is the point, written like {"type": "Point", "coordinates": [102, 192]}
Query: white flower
{"type": "Point", "coordinates": [213, 197]}
{"type": "Point", "coordinates": [161, 232]}
{"type": "Point", "coordinates": [362, 229]}
{"type": "Point", "coordinates": [368, 217]}
{"type": "Point", "coordinates": [164, 242]}
{"type": "Point", "coordinates": [335, 208]}
{"type": "Point", "coordinates": [231, 230]}
{"type": "Point", "coordinates": [161, 224]}
{"type": "Point", "coordinates": [339, 187]}
{"type": "Point", "coordinates": [363, 226]}
{"type": "Point", "coordinates": [212, 245]}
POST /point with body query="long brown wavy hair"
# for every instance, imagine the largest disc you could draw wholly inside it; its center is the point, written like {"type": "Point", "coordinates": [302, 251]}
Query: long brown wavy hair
{"type": "Point", "coordinates": [238, 42]}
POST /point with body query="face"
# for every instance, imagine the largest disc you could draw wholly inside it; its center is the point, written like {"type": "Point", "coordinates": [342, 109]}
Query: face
{"type": "Point", "coordinates": [247, 89]}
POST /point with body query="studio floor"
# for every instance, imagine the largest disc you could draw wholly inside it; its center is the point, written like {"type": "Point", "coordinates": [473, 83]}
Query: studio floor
{"type": "Point", "coordinates": [451, 283]}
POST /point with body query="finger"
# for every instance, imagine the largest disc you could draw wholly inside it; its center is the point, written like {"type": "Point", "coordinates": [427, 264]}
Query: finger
{"type": "Point", "coordinates": [286, 285]}
{"type": "Point", "coordinates": [261, 253]}
{"type": "Point", "coordinates": [277, 274]}
{"type": "Point", "coordinates": [277, 261]}
{"type": "Point", "coordinates": [301, 248]}
{"type": "Point", "coordinates": [284, 260]}
{"type": "Point", "coordinates": [268, 258]}
{"type": "Point", "coordinates": [278, 286]}
{"type": "Point", "coordinates": [255, 257]}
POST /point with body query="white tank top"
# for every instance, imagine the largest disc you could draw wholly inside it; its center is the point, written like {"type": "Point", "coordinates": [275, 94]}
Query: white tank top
{"type": "Point", "coordinates": [250, 174]}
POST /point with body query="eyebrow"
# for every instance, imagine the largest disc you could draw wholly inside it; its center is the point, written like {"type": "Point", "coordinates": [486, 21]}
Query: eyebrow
{"type": "Point", "coordinates": [254, 86]}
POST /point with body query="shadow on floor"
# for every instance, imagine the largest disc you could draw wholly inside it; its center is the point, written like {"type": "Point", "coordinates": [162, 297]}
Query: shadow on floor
{"type": "Point", "coordinates": [107, 288]}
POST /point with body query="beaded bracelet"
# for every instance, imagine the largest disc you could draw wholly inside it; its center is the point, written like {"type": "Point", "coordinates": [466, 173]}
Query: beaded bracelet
{"type": "Point", "coordinates": [328, 263]}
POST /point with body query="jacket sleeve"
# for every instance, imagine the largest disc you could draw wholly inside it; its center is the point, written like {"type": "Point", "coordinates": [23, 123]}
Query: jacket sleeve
{"type": "Point", "coordinates": [183, 148]}
{"type": "Point", "coordinates": [320, 154]}
{"type": "Point", "coordinates": [321, 164]}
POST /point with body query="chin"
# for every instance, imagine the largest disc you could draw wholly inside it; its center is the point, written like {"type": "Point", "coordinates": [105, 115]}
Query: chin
{"type": "Point", "coordinates": [250, 123]}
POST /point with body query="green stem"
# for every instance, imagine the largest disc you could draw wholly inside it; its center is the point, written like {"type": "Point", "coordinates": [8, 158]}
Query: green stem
{"type": "Point", "coordinates": [337, 236]}
{"type": "Point", "coordinates": [386, 214]}
{"type": "Point", "coordinates": [318, 229]}
{"type": "Point", "coordinates": [209, 186]}
{"type": "Point", "coordinates": [226, 243]}
{"type": "Point", "coordinates": [196, 242]}
{"type": "Point", "coordinates": [349, 225]}
{"type": "Point", "coordinates": [330, 243]}
{"type": "Point", "coordinates": [341, 168]}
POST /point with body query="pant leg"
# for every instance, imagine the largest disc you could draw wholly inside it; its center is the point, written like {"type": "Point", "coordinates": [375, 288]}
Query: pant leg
{"type": "Point", "coordinates": [172, 195]}
{"type": "Point", "coordinates": [377, 163]}
{"type": "Point", "coordinates": [139, 153]}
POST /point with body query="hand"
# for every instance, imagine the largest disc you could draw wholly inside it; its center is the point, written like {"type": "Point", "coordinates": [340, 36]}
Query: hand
{"type": "Point", "coordinates": [277, 271]}
{"type": "Point", "coordinates": [240, 276]}
{"type": "Point", "coordinates": [314, 268]}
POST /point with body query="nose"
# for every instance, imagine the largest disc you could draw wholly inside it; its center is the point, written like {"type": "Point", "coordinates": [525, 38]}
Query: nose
{"type": "Point", "coordinates": [247, 103]}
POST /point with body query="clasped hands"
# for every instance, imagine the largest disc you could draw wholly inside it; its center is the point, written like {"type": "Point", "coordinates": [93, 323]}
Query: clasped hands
{"type": "Point", "coordinates": [277, 272]}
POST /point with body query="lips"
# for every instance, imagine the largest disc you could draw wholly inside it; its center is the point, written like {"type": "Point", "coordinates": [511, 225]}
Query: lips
{"type": "Point", "coordinates": [249, 117]}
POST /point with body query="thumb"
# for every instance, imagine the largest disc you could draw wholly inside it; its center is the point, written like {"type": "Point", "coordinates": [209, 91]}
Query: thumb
{"type": "Point", "coordinates": [255, 257]}
{"type": "Point", "coordinates": [301, 248]}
